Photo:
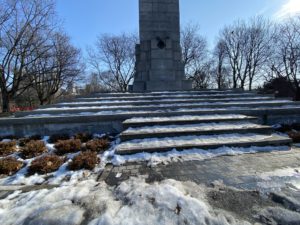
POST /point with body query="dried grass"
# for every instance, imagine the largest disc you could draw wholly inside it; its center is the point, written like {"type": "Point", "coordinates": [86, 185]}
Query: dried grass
{"type": "Point", "coordinates": [10, 165]}
{"type": "Point", "coordinates": [67, 146]}
{"type": "Point", "coordinates": [85, 160]}
{"type": "Point", "coordinates": [45, 164]}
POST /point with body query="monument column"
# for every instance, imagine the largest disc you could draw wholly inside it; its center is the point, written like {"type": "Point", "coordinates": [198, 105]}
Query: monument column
{"type": "Point", "coordinates": [159, 64]}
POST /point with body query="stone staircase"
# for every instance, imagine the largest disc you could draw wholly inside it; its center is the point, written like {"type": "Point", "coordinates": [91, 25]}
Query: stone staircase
{"type": "Point", "coordinates": [206, 131]}
{"type": "Point", "coordinates": [166, 120]}
{"type": "Point", "coordinates": [154, 134]}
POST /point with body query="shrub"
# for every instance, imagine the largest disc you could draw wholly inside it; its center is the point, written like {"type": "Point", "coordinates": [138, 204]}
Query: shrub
{"type": "Point", "coordinates": [58, 137]}
{"type": "Point", "coordinates": [284, 128]}
{"type": "Point", "coordinates": [45, 164]}
{"type": "Point", "coordinates": [10, 165]}
{"type": "Point", "coordinates": [33, 149]}
{"type": "Point", "coordinates": [10, 137]}
{"type": "Point", "coordinates": [281, 86]}
{"type": "Point", "coordinates": [295, 135]}
{"type": "Point", "coordinates": [85, 160]}
{"type": "Point", "coordinates": [97, 145]}
{"type": "Point", "coordinates": [83, 137]}
{"type": "Point", "coordinates": [24, 141]}
{"type": "Point", "coordinates": [67, 146]}
{"type": "Point", "coordinates": [7, 148]}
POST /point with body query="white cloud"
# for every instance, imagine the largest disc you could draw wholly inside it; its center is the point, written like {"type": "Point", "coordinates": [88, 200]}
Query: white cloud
{"type": "Point", "coordinates": [289, 8]}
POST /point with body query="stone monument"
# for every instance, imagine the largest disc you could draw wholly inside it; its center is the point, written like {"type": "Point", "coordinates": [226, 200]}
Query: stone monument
{"type": "Point", "coordinates": [159, 64]}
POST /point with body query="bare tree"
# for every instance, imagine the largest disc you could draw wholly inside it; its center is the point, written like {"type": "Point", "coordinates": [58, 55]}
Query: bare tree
{"type": "Point", "coordinates": [258, 47]}
{"type": "Point", "coordinates": [235, 39]}
{"type": "Point", "coordinates": [194, 49]}
{"type": "Point", "coordinates": [247, 45]}
{"type": "Point", "coordinates": [202, 77]}
{"type": "Point", "coordinates": [19, 34]}
{"type": "Point", "coordinates": [59, 66]}
{"type": "Point", "coordinates": [114, 60]}
{"type": "Point", "coordinates": [221, 69]}
{"type": "Point", "coordinates": [286, 58]}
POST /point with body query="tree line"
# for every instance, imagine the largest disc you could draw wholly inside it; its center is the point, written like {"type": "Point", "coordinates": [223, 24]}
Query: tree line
{"type": "Point", "coordinates": [36, 56]}
{"type": "Point", "coordinates": [246, 54]}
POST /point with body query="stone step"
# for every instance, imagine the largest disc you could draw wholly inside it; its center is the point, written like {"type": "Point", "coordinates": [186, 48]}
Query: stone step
{"type": "Point", "coordinates": [163, 101]}
{"type": "Point", "coordinates": [162, 107]}
{"type": "Point", "coordinates": [200, 92]}
{"type": "Point", "coordinates": [195, 129]}
{"type": "Point", "coordinates": [185, 120]}
{"type": "Point", "coordinates": [173, 96]}
{"type": "Point", "coordinates": [276, 114]}
{"type": "Point", "coordinates": [200, 142]}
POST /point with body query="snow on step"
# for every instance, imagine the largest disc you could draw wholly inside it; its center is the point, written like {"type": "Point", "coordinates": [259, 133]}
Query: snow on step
{"type": "Point", "coordinates": [151, 111]}
{"type": "Point", "coordinates": [178, 105]}
{"type": "Point", "coordinates": [203, 141]}
{"type": "Point", "coordinates": [166, 100]}
{"type": "Point", "coordinates": [194, 127]}
{"type": "Point", "coordinates": [220, 95]}
{"type": "Point", "coordinates": [185, 119]}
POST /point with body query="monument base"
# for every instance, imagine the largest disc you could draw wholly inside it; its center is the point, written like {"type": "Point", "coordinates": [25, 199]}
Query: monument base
{"type": "Point", "coordinates": [148, 86]}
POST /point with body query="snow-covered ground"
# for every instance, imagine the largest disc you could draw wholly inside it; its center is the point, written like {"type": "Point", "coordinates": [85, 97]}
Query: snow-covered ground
{"type": "Point", "coordinates": [132, 202]}
{"type": "Point", "coordinates": [80, 199]}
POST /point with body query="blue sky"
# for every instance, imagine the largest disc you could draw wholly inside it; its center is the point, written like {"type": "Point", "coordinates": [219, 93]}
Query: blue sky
{"type": "Point", "coordinates": [84, 20]}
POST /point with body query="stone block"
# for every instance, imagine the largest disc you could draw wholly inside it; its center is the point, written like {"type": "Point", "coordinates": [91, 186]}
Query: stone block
{"type": "Point", "coordinates": [139, 86]}
{"type": "Point", "coordinates": [162, 64]}
{"type": "Point", "coordinates": [161, 54]}
{"type": "Point", "coordinates": [161, 75]}
{"type": "Point", "coordinates": [164, 85]}
{"type": "Point", "coordinates": [187, 85]}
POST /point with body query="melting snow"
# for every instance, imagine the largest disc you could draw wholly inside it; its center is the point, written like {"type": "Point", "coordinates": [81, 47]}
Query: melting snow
{"type": "Point", "coordinates": [132, 202]}
{"type": "Point", "coordinates": [193, 154]}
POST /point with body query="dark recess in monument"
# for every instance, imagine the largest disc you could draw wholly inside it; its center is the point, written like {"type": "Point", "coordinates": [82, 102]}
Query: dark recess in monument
{"type": "Point", "coordinates": [161, 44]}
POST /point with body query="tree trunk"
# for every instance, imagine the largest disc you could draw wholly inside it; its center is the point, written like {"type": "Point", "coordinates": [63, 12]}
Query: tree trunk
{"type": "Point", "coordinates": [250, 84]}
{"type": "Point", "coordinates": [42, 101]}
{"type": "Point", "coordinates": [297, 95]}
{"type": "Point", "coordinates": [5, 102]}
